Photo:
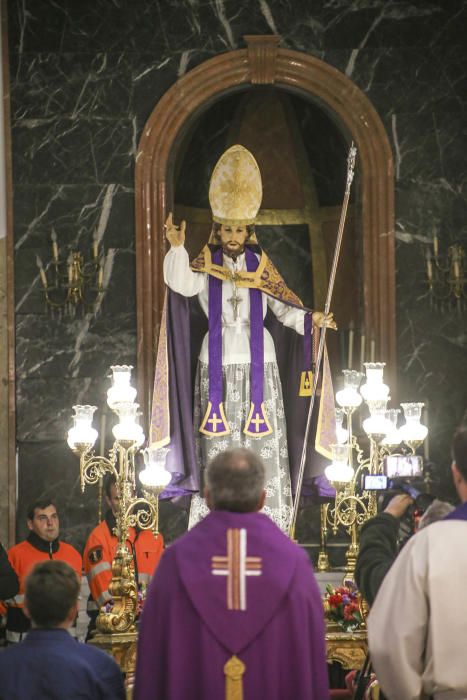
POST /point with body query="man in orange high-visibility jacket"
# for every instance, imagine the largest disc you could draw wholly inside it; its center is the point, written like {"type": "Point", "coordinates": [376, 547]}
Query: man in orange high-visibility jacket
{"type": "Point", "coordinates": [42, 544]}
{"type": "Point", "coordinates": [100, 551]}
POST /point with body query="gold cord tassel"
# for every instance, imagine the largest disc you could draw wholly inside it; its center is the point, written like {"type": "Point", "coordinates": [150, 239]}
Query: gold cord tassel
{"type": "Point", "coordinates": [233, 671]}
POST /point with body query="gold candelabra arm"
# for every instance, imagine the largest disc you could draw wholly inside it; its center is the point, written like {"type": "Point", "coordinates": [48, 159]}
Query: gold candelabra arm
{"type": "Point", "coordinates": [144, 518]}
{"type": "Point", "coordinates": [93, 467]}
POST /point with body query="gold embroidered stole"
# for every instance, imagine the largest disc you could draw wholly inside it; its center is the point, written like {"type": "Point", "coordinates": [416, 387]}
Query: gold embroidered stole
{"type": "Point", "coordinates": [266, 277]}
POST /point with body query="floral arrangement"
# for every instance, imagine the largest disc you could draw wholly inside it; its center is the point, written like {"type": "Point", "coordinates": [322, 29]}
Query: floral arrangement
{"type": "Point", "coordinates": [342, 605]}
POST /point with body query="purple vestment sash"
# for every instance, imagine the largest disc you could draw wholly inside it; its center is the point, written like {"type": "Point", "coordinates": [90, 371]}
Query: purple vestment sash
{"type": "Point", "coordinates": [257, 424]}
{"type": "Point", "coordinates": [215, 422]}
{"type": "Point", "coordinates": [460, 513]}
{"type": "Point", "coordinates": [306, 378]}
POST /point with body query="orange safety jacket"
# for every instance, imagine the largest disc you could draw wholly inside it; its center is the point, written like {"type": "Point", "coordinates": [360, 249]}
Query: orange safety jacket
{"type": "Point", "coordinates": [23, 557]}
{"type": "Point", "coordinates": [100, 551]}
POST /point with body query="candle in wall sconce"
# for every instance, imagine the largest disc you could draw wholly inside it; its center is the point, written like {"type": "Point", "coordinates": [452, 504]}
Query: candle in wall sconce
{"type": "Point", "coordinates": [53, 236]}
{"type": "Point", "coordinates": [435, 244]}
{"type": "Point", "coordinates": [100, 277]}
{"type": "Point", "coordinates": [350, 353]}
{"type": "Point", "coordinates": [429, 265]}
{"type": "Point", "coordinates": [455, 262]}
{"type": "Point", "coordinates": [42, 274]}
{"type": "Point", "coordinates": [95, 245]}
{"type": "Point", "coordinates": [70, 269]}
{"type": "Point", "coordinates": [362, 349]}
{"type": "Point", "coordinates": [372, 350]}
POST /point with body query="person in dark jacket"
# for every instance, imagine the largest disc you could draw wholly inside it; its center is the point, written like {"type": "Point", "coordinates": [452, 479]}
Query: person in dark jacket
{"type": "Point", "coordinates": [379, 546]}
{"type": "Point", "coordinates": [9, 585]}
{"type": "Point", "coordinates": [49, 663]}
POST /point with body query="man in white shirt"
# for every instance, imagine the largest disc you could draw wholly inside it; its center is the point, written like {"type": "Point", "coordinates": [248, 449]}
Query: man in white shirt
{"type": "Point", "coordinates": [417, 629]}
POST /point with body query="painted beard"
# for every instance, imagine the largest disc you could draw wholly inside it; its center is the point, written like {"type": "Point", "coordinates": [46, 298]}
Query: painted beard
{"type": "Point", "coordinates": [233, 250]}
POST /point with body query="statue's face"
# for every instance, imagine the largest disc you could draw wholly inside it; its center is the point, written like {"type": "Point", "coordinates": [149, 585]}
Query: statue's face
{"type": "Point", "coordinates": [233, 239]}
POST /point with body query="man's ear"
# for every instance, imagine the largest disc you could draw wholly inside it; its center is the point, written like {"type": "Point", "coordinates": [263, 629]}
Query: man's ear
{"type": "Point", "coordinates": [261, 500]}
{"type": "Point", "coordinates": [73, 614]}
{"type": "Point", "coordinates": [29, 524]}
{"type": "Point", "coordinates": [26, 610]}
{"type": "Point", "coordinates": [207, 498]}
{"type": "Point", "coordinates": [456, 475]}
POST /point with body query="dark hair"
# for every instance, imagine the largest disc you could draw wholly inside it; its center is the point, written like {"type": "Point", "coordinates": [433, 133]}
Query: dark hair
{"type": "Point", "coordinates": [235, 480]}
{"type": "Point", "coordinates": [216, 227]}
{"type": "Point", "coordinates": [43, 502]}
{"type": "Point", "coordinates": [459, 450]}
{"type": "Point", "coordinates": [109, 481]}
{"type": "Point", "coordinates": [51, 590]}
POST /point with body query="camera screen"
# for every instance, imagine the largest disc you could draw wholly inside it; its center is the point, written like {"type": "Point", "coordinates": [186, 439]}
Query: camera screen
{"type": "Point", "coordinates": [403, 465]}
{"type": "Point", "coordinates": [375, 482]}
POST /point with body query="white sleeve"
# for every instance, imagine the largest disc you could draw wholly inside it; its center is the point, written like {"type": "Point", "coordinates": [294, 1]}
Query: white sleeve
{"type": "Point", "coordinates": [398, 623]}
{"type": "Point", "coordinates": [288, 315]}
{"type": "Point", "coordinates": [179, 276]}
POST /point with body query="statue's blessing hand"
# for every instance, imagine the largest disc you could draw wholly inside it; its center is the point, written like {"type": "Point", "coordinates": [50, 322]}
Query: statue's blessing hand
{"type": "Point", "coordinates": [174, 234]}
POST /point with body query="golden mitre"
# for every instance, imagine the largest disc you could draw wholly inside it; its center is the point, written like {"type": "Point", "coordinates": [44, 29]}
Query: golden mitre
{"type": "Point", "coordinates": [235, 190]}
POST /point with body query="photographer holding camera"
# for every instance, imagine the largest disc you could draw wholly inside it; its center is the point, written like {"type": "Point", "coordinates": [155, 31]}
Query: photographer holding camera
{"type": "Point", "coordinates": [417, 630]}
{"type": "Point", "coordinates": [379, 546]}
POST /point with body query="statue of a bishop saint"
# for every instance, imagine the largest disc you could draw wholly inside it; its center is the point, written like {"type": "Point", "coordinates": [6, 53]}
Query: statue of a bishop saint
{"type": "Point", "coordinates": [237, 396]}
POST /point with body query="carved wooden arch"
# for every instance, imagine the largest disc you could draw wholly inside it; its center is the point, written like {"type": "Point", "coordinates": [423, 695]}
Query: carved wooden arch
{"type": "Point", "coordinates": [262, 62]}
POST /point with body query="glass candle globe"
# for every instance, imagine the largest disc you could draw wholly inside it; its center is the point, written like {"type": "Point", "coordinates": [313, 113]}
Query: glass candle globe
{"type": "Point", "coordinates": [341, 433]}
{"type": "Point", "coordinates": [121, 391]}
{"type": "Point", "coordinates": [82, 431]}
{"type": "Point", "coordinates": [339, 471]}
{"type": "Point", "coordinates": [393, 437]}
{"type": "Point", "coordinates": [374, 387]}
{"type": "Point", "coordinates": [127, 429]}
{"type": "Point", "coordinates": [349, 396]}
{"type": "Point", "coordinates": [413, 430]}
{"type": "Point", "coordinates": [155, 474]}
{"type": "Point", "coordinates": [377, 423]}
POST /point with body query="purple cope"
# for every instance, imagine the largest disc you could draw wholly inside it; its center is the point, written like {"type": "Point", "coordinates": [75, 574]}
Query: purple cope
{"type": "Point", "coordinates": [233, 585]}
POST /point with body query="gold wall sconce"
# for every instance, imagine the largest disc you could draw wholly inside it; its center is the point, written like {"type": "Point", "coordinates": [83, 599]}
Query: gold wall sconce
{"type": "Point", "coordinates": [73, 282]}
{"type": "Point", "coordinates": [446, 275]}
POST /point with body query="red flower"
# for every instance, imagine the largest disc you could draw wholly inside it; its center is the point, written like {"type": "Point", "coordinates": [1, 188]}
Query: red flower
{"type": "Point", "coordinates": [335, 600]}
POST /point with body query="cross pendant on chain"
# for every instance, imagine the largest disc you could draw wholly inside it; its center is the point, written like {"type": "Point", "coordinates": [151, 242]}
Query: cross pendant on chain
{"type": "Point", "coordinates": [235, 301]}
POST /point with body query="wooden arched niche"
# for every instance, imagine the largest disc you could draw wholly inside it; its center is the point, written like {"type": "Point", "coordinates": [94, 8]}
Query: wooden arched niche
{"type": "Point", "coordinates": [263, 63]}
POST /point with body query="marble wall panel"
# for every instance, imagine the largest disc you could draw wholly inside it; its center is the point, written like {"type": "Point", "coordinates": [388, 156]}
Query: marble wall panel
{"type": "Point", "coordinates": [85, 77]}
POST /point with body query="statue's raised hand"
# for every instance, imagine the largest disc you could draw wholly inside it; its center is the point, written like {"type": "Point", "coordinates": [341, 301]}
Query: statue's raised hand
{"type": "Point", "coordinates": [174, 234]}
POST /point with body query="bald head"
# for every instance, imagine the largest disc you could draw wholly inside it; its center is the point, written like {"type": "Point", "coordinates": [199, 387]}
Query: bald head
{"type": "Point", "coordinates": [235, 482]}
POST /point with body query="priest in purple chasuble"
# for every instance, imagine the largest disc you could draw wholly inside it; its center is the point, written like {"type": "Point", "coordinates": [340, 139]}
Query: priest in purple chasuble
{"type": "Point", "coordinates": [253, 378]}
{"type": "Point", "coordinates": [234, 610]}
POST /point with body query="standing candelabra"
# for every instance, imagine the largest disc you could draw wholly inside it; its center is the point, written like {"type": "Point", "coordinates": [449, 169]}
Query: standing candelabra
{"type": "Point", "coordinates": [133, 510]}
{"type": "Point", "coordinates": [353, 505]}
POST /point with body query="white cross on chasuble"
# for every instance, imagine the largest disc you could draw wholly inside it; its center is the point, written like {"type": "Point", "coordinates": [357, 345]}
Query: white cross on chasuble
{"type": "Point", "coordinates": [236, 566]}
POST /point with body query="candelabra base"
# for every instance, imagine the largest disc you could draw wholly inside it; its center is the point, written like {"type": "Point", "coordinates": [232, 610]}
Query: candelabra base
{"type": "Point", "coordinates": [120, 645]}
{"type": "Point", "coordinates": [351, 559]}
{"type": "Point", "coordinates": [323, 561]}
